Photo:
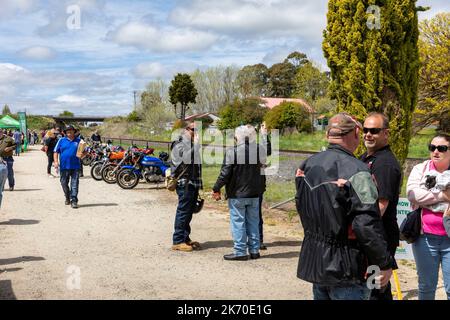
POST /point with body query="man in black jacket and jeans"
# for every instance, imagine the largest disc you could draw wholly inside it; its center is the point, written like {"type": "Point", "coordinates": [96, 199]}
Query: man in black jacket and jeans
{"type": "Point", "coordinates": [186, 166]}
{"type": "Point", "coordinates": [242, 176]}
{"type": "Point", "coordinates": [337, 203]}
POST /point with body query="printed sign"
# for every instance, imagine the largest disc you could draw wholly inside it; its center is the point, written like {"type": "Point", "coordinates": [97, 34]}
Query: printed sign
{"type": "Point", "coordinates": [404, 250]}
{"type": "Point", "coordinates": [23, 127]}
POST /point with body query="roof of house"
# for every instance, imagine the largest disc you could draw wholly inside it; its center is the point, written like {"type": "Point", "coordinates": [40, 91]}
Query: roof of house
{"type": "Point", "coordinates": [273, 102]}
{"type": "Point", "coordinates": [201, 115]}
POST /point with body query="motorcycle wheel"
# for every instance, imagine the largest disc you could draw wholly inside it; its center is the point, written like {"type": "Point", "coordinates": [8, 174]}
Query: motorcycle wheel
{"type": "Point", "coordinates": [109, 175]}
{"type": "Point", "coordinates": [86, 161]}
{"type": "Point", "coordinates": [127, 179]}
{"type": "Point", "coordinates": [96, 171]}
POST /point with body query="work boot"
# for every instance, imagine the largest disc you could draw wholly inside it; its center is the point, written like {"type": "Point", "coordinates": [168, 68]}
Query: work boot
{"type": "Point", "coordinates": [194, 244]}
{"type": "Point", "coordinates": [67, 202]}
{"type": "Point", "coordinates": [182, 247]}
{"type": "Point", "coordinates": [74, 205]}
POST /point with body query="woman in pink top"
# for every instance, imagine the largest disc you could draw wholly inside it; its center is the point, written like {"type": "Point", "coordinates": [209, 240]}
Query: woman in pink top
{"type": "Point", "coordinates": [432, 249]}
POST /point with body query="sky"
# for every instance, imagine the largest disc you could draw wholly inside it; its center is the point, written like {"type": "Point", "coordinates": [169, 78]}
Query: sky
{"type": "Point", "coordinates": [53, 59]}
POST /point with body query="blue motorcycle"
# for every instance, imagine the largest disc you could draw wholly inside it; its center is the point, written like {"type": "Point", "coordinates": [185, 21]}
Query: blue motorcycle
{"type": "Point", "coordinates": [151, 169]}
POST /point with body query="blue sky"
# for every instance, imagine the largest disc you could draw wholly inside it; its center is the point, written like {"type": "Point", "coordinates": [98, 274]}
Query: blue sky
{"type": "Point", "coordinates": [46, 68]}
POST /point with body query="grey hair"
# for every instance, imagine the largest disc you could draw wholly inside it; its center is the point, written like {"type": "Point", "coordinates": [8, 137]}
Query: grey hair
{"type": "Point", "coordinates": [242, 133]}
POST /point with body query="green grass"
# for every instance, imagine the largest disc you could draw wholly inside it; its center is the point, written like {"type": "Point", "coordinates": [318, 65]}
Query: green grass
{"type": "Point", "coordinates": [314, 142]}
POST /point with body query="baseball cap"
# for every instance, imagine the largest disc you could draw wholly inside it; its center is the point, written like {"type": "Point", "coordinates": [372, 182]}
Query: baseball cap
{"type": "Point", "coordinates": [70, 127]}
{"type": "Point", "coordinates": [341, 124]}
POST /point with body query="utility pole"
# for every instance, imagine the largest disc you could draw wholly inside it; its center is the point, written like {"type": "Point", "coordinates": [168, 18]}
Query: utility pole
{"type": "Point", "coordinates": [134, 94]}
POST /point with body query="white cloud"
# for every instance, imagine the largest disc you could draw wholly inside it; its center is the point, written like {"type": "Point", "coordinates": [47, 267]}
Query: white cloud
{"type": "Point", "coordinates": [74, 100]}
{"type": "Point", "coordinates": [149, 70]}
{"type": "Point", "coordinates": [249, 18]}
{"type": "Point", "coordinates": [166, 39]}
{"type": "Point", "coordinates": [10, 8]}
{"type": "Point", "coordinates": [37, 53]}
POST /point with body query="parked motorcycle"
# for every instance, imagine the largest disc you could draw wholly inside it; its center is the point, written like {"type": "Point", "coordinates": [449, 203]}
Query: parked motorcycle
{"type": "Point", "coordinates": [151, 169]}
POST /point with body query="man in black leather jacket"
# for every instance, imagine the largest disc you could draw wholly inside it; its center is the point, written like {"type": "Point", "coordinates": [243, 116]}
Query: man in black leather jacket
{"type": "Point", "coordinates": [242, 175]}
{"type": "Point", "coordinates": [337, 203]}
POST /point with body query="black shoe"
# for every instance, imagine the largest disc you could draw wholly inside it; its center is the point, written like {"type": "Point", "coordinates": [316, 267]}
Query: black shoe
{"type": "Point", "coordinates": [235, 257]}
{"type": "Point", "coordinates": [74, 205]}
{"type": "Point", "coordinates": [67, 202]}
{"type": "Point", "coordinates": [262, 246]}
{"type": "Point", "coordinates": [11, 188]}
{"type": "Point", "coordinates": [255, 255]}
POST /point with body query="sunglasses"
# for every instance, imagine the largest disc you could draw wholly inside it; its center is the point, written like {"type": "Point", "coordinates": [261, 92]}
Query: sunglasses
{"type": "Point", "coordinates": [432, 147]}
{"type": "Point", "coordinates": [373, 130]}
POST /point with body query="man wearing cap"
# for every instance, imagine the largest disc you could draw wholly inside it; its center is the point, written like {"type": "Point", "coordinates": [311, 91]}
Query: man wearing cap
{"type": "Point", "coordinates": [337, 203]}
{"type": "Point", "coordinates": [65, 157]}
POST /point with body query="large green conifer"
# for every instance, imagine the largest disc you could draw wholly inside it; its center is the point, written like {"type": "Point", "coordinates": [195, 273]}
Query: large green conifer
{"type": "Point", "coordinates": [375, 67]}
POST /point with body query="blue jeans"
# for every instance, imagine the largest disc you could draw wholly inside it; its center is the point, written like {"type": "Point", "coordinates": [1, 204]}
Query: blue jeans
{"type": "Point", "coordinates": [18, 149]}
{"type": "Point", "coordinates": [244, 221]}
{"type": "Point", "coordinates": [430, 251]}
{"type": "Point", "coordinates": [350, 292]}
{"type": "Point", "coordinates": [187, 197]}
{"type": "Point", "coordinates": [9, 164]}
{"type": "Point", "coordinates": [71, 192]}
{"type": "Point", "coordinates": [3, 175]}
{"type": "Point", "coordinates": [261, 221]}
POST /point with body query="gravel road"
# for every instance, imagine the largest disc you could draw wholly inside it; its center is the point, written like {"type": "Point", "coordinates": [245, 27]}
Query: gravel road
{"type": "Point", "coordinates": [117, 246]}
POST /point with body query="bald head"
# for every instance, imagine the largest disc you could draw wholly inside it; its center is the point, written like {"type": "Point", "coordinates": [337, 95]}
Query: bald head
{"type": "Point", "coordinates": [376, 132]}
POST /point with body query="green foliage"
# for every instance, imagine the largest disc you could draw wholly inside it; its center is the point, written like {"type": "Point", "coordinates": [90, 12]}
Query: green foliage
{"type": "Point", "coordinates": [288, 115]}
{"type": "Point", "coordinates": [246, 111]}
{"type": "Point", "coordinates": [39, 123]}
{"type": "Point", "coordinates": [182, 91]}
{"type": "Point", "coordinates": [375, 69]}
{"type": "Point", "coordinates": [297, 59]}
{"type": "Point", "coordinates": [281, 80]}
{"type": "Point", "coordinates": [66, 113]}
{"type": "Point", "coordinates": [434, 74]}
{"type": "Point", "coordinates": [154, 107]}
{"type": "Point", "coordinates": [310, 83]}
{"type": "Point", "coordinates": [133, 116]}
{"type": "Point", "coordinates": [6, 110]}
{"type": "Point", "coordinates": [252, 80]}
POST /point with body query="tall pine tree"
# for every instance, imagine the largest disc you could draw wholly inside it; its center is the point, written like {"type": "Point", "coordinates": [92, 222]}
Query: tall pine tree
{"type": "Point", "coordinates": [374, 61]}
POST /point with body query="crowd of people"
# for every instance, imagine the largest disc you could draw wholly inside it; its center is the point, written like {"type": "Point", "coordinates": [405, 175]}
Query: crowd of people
{"type": "Point", "coordinates": [347, 206]}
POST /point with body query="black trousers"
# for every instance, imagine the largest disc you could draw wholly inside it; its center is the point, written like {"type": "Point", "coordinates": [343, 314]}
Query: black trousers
{"type": "Point", "coordinates": [50, 163]}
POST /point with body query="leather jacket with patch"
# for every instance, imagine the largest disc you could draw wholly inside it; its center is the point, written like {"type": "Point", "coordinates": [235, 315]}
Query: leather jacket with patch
{"type": "Point", "coordinates": [342, 224]}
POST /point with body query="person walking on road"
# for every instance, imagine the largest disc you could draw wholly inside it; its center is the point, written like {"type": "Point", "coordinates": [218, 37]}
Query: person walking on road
{"type": "Point", "coordinates": [337, 202]}
{"type": "Point", "coordinates": [7, 146]}
{"type": "Point", "coordinates": [49, 147]}
{"type": "Point", "coordinates": [65, 157]}
{"type": "Point", "coordinates": [17, 136]}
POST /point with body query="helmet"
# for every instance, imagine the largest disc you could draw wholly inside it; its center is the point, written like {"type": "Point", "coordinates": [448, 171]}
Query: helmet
{"type": "Point", "coordinates": [164, 156]}
{"type": "Point", "coordinates": [198, 204]}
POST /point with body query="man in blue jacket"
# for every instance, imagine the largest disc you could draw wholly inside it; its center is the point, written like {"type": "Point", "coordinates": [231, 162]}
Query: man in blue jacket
{"type": "Point", "coordinates": [65, 157]}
